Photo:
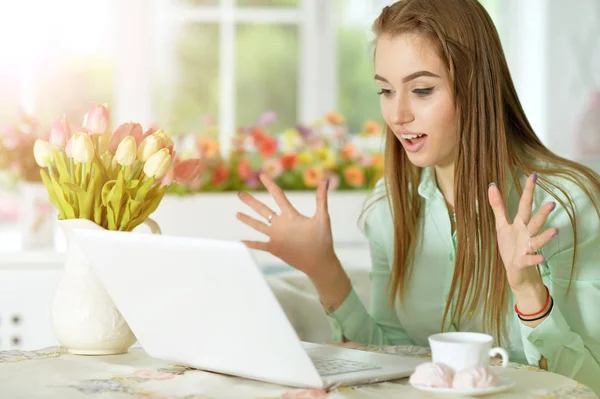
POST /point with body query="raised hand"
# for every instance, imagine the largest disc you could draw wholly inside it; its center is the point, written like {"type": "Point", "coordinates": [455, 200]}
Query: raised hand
{"type": "Point", "coordinates": [304, 243]}
{"type": "Point", "coordinates": [520, 241]}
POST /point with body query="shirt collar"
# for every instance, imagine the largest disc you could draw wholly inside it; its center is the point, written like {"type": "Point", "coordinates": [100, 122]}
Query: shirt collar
{"type": "Point", "coordinates": [428, 184]}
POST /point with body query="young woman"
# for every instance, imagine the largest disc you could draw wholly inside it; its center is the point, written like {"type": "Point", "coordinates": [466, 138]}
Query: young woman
{"type": "Point", "coordinates": [476, 226]}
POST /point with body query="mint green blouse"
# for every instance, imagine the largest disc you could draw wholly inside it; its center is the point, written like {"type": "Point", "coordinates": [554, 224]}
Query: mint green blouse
{"type": "Point", "coordinates": [569, 338]}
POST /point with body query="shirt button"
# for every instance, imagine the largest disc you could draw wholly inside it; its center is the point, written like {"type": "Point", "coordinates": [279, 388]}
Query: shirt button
{"type": "Point", "coordinates": [539, 342]}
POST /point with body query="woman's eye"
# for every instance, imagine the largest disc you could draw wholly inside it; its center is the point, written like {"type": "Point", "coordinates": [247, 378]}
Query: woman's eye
{"type": "Point", "coordinates": [423, 92]}
{"type": "Point", "coordinates": [384, 92]}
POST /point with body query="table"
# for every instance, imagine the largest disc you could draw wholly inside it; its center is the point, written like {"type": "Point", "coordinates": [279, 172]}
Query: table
{"type": "Point", "coordinates": [52, 373]}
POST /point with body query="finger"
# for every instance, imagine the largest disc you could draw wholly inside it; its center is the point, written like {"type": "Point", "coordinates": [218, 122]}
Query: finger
{"type": "Point", "coordinates": [322, 197]}
{"type": "Point", "coordinates": [278, 195]}
{"type": "Point", "coordinates": [537, 221]}
{"type": "Point", "coordinates": [261, 246]}
{"type": "Point", "coordinates": [255, 204]}
{"type": "Point", "coordinates": [532, 260]}
{"type": "Point", "coordinates": [538, 242]}
{"type": "Point", "coordinates": [255, 224]}
{"type": "Point", "coordinates": [526, 201]}
{"type": "Point", "coordinates": [497, 205]}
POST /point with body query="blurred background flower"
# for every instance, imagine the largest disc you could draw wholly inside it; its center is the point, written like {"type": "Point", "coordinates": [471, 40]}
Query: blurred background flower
{"type": "Point", "coordinates": [298, 159]}
{"type": "Point", "coordinates": [16, 148]}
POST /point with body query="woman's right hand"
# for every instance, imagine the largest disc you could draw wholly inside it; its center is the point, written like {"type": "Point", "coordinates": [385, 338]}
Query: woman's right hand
{"type": "Point", "coordinates": [304, 243]}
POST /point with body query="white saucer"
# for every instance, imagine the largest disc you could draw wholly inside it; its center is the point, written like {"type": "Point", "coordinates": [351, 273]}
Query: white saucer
{"type": "Point", "coordinates": [505, 383]}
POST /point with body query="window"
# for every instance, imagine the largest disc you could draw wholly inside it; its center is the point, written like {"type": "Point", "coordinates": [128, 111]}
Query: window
{"type": "Point", "coordinates": [55, 60]}
{"type": "Point", "coordinates": [357, 93]}
{"type": "Point", "coordinates": [227, 61]}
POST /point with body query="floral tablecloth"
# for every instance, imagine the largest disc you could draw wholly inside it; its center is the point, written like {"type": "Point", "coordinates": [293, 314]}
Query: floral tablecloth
{"type": "Point", "coordinates": [52, 373]}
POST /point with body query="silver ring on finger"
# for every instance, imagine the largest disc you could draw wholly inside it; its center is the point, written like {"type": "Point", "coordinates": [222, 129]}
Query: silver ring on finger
{"type": "Point", "coordinates": [533, 250]}
{"type": "Point", "coordinates": [270, 217]}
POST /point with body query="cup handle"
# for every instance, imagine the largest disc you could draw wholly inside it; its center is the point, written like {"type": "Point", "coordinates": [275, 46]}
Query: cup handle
{"type": "Point", "coordinates": [502, 353]}
{"type": "Point", "coordinates": [154, 227]}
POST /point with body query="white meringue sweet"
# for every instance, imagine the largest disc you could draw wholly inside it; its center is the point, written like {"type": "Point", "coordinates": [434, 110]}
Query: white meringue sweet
{"type": "Point", "coordinates": [434, 375]}
{"type": "Point", "coordinates": [478, 377]}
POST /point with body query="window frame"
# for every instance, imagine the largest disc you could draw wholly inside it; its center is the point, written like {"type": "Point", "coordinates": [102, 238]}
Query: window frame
{"type": "Point", "coordinates": [155, 23]}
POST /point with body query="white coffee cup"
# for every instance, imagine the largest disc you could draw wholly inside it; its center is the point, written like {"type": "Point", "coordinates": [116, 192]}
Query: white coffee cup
{"type": "Point", "coordinates": [464, 350]}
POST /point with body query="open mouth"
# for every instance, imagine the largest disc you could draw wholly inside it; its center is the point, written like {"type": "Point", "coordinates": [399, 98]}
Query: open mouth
{"type": "Point", "coordinates": [416, 139]}
{"type": "Point", "coordinates": [413, 143]}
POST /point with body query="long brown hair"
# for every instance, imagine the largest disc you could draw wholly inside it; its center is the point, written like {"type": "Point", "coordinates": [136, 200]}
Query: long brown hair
{"type": "Point", "coordinates": [495, 143]}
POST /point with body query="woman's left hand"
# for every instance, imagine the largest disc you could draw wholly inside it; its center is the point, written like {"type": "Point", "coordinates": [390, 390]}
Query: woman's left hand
{"type": "Point", "coordinates": [520, 241]}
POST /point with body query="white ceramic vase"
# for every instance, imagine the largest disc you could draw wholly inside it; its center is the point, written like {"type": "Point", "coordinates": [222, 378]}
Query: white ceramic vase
{"type": "Point", "coordinates": [84, 318]}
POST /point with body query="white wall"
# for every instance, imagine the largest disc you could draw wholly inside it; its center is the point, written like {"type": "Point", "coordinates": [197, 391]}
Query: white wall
{"type": "Point", "coordinates": [553, 50]}
{"type": "Point", "coordinates": [524, 35]}
{"type": "Point", "coordinates": [573, 67]}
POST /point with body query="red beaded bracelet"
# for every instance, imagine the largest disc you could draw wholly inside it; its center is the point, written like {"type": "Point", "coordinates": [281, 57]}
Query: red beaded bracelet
{"type": "Point", "coordinates": [517, 311]}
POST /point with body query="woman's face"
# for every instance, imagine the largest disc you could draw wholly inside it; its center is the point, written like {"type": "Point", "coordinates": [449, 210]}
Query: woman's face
{"type": "Point", "coordinates": [416, 100]}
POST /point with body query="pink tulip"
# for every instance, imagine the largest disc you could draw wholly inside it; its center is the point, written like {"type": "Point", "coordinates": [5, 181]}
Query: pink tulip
{"type": "Point", "coordinates": [60, 132]}
{"type": "Point", "coordinates": [169, 178]}
{"type": "Point", "coordinates": [134, 130]}
{"type": "Point", "coordinates": [187, 171]}
{"type": "Point", "coordinates": [97, 120]}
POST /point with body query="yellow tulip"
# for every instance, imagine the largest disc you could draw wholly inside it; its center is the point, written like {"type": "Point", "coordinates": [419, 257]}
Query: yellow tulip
{"type": "Point", "coordinates": [158, 164]}
{"type": "Point", "coordinates": [126, 152]}
{"type": "Point", "coordinates": [103, 142]}
{"type": "Point", "coordinates": [165, 139]}
{"type": "Point", "coordinates": [83, 148]}
{"type": "Point", "coordinates": [42, 152]}
{"type": "Point", "coordinates": [148, 147]}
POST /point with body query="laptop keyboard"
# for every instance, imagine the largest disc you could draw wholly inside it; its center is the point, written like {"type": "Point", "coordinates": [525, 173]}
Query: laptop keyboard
{"type": "Point", "coordinates": [331, 366]}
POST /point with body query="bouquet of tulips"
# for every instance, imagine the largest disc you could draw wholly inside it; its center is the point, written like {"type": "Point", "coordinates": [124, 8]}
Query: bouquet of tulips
{"type": "Point", "coordinates": [115, 179]}
{"type": "Point", "coordinates": [16, 148]}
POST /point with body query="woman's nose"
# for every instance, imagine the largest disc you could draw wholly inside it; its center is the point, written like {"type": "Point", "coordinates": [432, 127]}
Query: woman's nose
{"type": "Point", "coordinates": [403, 112]}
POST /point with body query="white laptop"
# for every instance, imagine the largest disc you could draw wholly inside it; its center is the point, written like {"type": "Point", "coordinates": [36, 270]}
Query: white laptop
{"type": "Point", "coordinates": [206, 304]}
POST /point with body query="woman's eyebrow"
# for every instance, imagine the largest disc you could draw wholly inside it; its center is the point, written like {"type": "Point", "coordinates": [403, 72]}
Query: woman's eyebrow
{"type": "Point", "coordinates": [409, 77]}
